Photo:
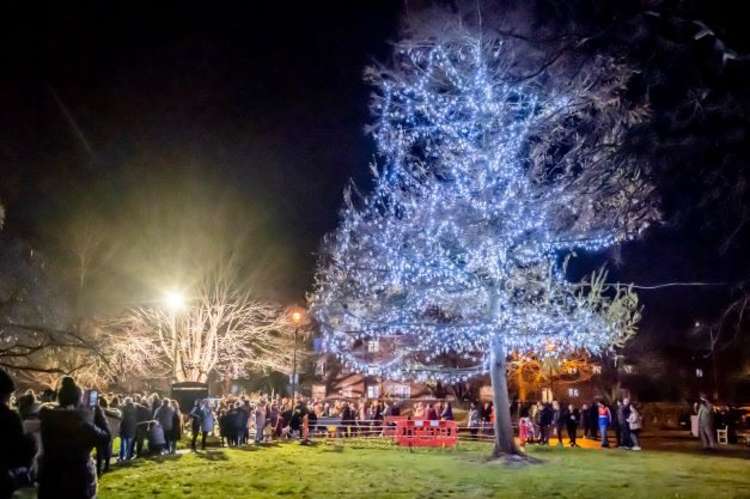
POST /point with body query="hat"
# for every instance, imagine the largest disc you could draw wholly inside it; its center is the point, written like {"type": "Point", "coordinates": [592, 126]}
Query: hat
{"type": "Point", "coordinates": [7, 386]}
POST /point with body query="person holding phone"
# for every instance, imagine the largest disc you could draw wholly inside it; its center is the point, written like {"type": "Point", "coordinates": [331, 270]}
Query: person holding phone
{"type": "Point", "coordinates": [69, 434]}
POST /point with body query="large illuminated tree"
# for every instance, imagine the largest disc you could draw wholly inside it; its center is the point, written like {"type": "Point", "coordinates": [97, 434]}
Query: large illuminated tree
{"type": "Point", "coordinates": [452, 262]}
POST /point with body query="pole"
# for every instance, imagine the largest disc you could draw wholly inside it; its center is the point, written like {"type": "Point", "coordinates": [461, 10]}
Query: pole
{"type": "Point", "coordinates": [294, 368]}
{"type": "Point", "coordinates": [175, 351]}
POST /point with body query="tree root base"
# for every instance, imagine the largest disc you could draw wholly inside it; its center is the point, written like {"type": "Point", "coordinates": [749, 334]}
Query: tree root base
{"type": "Point", "coordinates": [513, 460]}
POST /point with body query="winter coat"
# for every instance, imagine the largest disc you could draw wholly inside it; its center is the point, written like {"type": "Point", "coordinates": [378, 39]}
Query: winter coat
{"type": "Point", "coordinates": [176, 426]}
{"type": "Point", "coordinates": [128, 422]}
{"type": "Point", "coordinates": [66, 468]}
{"type": "Point", "coordinates": [207, 419]}
{"type": "Point", "coordinates": [114, 420]}
{"type": "Point", "coordinates": [17, 449]}
{"type": "Point", "coordinates": [706, 415]}
{"type": "Point", "coordinates": [545, 418]}
{"type": "Point", "coordinates": [634, 419]}
{"type": "Point", "coordinates": [165, 417]}
{"type": "Point", "coordinates": [572, 420]}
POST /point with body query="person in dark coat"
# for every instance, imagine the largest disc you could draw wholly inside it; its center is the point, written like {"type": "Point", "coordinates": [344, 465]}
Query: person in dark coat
{"type": "Point", "coordinates": [571, 423]}
{"type": "Point", "coordinates": [68, 437]}
{"type": "Point", "coordinates": [545, 422]}
{"type": "Point", "coordinates": [176, 435]}
{"type": "Point", "coordinates": [623, 433]}
{"type": "Point", "coordinates": [103, 450]}
{"type": "Point", "coordinates": [128, 429]}
{"type": "Point", "coordinates": [583, 420]}
{"type": "Point", "coordinates": [17, 449]}
{"type": "Point", "coordinates": [196, 418]}
{"type": "Point", "coordinates": [144, 414]}
{"type": "Point", "coordinates": [447, 414]}
{"type": "Point", "coordinates": [559, 420]}
{"type": "Point", "coordinates": [245, 411]}
{"type": "Point", "coordinates": [593, 420]}
{"type": "Point", "coordinates": [432, 414]}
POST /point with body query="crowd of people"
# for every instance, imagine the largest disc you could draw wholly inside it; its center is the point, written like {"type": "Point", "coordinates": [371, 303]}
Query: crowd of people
{"type": "Point", "coordinates": [541, 422]}
{"type": "Point", "coordinates": [48, 438]}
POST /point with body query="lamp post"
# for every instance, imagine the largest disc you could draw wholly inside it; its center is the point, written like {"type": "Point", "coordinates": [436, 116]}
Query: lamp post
{"type": "Point", "coordinates": [296, 319]}
{"type": "Point", "coordinates": [174, 301]}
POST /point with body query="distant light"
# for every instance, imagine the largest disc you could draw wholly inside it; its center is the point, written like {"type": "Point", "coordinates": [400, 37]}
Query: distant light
{"type": "Point", "coordinates": [697, 324]}
{"type": "Point", "coordinates": [699, 373]}
{"type": "Point", "coordinates": [296, 317]}
{"type": "Point", "coordinates": [174, 300]}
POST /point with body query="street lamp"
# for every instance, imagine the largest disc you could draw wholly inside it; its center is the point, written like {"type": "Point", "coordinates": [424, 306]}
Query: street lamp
{"type": "Point", "coordinates": [296, 317]}
{"type": "Point", "coordinates": [175, 302]}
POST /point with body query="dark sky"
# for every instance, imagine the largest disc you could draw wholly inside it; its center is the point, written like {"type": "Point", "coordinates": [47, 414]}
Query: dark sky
{"type": "Point", "coordinates": [268, 100]}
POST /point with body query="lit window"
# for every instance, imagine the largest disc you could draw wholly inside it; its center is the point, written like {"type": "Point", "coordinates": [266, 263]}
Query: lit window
{"type": "Point", "coordinates": [547, 395]}
{"type": "Point", "coordinates": [699, 373]}
{"type": "Point", "coordinates": [373, 392]}
{"type": "Point", "coordinates": [573, 392]}
{"type": "Point", "coordinates": [373, 346]}
{"type": "Point", "coordinates": [628, 369]}
{"type": "Point", "coordinates": [572, 370]}
{"type": "Point", "coordinates": [401, 390]}
{"type": "Point", "coordinates": [596, 369]}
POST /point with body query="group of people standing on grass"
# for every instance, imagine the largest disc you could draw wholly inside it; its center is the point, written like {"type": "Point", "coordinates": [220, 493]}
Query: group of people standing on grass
{"type": "Point", "coordinates": [50, 443]}
{"type": "Point", "coordinates": [540, 422]}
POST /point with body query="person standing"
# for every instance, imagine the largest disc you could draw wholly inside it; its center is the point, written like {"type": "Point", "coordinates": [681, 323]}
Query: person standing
{"type": "Point", "coordinates": [143, 416]}
{"type": "Point", "coordinates": [18, 450]}
{"type": "Point", "coordinates": [176, 426]}
{"type": "Point", "coordinates": [623, 418]}
{"type": "Point", "coordinates": [584, 421]}
{"type": "Point", "coordinates": [558, 421]}
{"type": "Point", "coordinates": [571, 423]}
{"type": "Point", "coordinates": [165, 416]}
{"type": "Point", "coordinates": [545, 423]}
{"type": "Point", "coordinates": [195, 423]}
{"type": "Point", "coordinates": [260, 422]}
{"type": "Point", "coordinates": [706, 423]}
{"type": "Point", "coordinates": [128, 428]}
{"type": "Point", "coordinates": [114, 420]}
{"type": "Point", "coordinates": [447, 412]}
{"type": "Point", "coordinates": [474, 420]}
{"type": "Point", "coordinates": [604, 420]}
{"type": "Point", "coordinates": [103, 449]}
{"type": "Point", "coordinates": [68, 437]}
{"type": "Point", "coordinates": [207, 422]}
{"type": "Point", "coordinates": [634, 427]}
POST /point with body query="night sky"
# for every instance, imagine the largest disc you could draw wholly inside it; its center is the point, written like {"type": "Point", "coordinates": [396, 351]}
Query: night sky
{"type": "Point", "coordinates": [262, 103]}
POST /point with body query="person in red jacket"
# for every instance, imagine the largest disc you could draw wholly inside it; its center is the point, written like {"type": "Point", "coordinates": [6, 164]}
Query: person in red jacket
{"type": "Point", "coordinates": [605, 418]}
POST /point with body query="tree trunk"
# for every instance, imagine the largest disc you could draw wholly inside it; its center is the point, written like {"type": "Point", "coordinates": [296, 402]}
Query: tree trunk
{"type": "Point", "coordinates": [505, 443]}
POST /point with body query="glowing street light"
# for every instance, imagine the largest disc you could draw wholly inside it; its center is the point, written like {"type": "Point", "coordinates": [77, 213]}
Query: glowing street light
{"type": "Point", "coordinates": [174, 300]}
{"type": "Point", "coordinates": [296, 317]}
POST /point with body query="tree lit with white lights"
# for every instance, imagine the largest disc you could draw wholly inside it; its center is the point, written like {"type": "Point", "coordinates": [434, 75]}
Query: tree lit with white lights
{"type": "Point", "coordinates": [452, 262]}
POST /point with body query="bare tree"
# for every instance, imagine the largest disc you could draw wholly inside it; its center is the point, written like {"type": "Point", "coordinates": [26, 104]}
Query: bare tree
{"type": "Point", "coordinates": [222, 330]}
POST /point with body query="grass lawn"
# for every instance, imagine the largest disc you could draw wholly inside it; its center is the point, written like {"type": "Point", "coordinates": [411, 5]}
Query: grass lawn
{"type": "Point", "coordinates": [357, 469]}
